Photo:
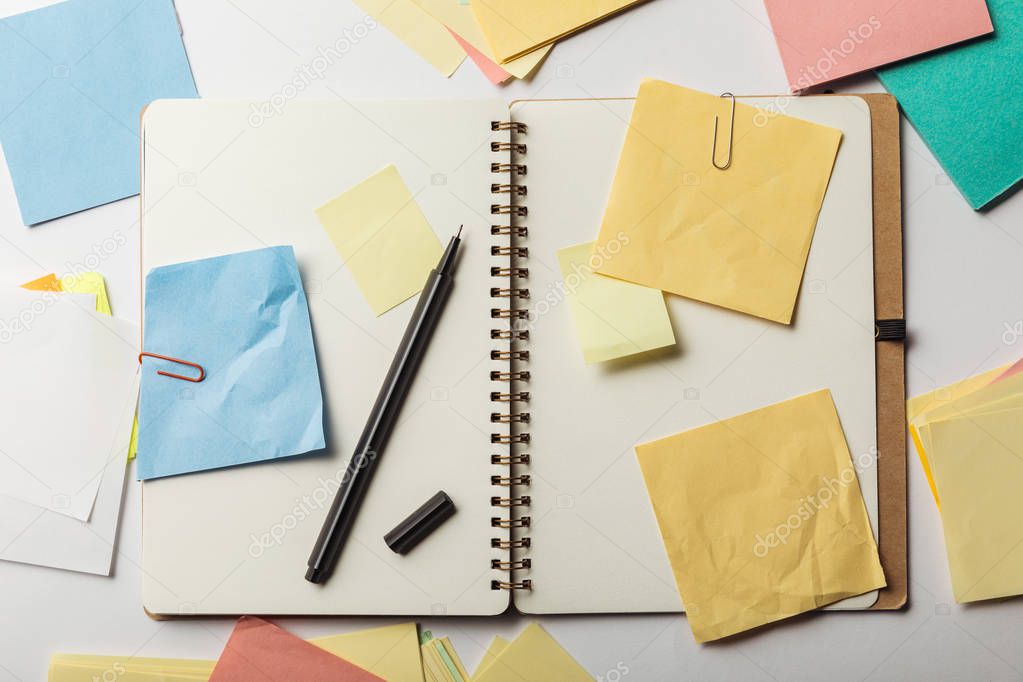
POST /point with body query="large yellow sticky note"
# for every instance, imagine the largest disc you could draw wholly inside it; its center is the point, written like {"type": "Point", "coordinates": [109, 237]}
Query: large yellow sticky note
{"type": "Point", "coordinates": [517, 27]}
{"type": "Point", "coordinates": [458, 16]}
{"type": "Point", "coordinates": [383, 239]}
{"type": "Point", "coordinates": [977, 463]}
{"type": "Point", "coordinates": [918, 407]}
{"type": "Point", "coordinates": [533, 656]}
{"type": "Point", "coordinates": [390, 652]}
{"type": "Point", "coordinates": [497, 646]}
{"type": "Point", "coordinates": [426, 36]}
{"type": "Point", "coordinates": [736, 238]}
{"type": "Point", "coordinates": [613, 318]}
{"type": "Point", "coordinates": [762, 516]}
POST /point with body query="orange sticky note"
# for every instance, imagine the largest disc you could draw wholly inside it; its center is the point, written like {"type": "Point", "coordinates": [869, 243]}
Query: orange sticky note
{"type": "Point", "coordinates": [259, 651]}
{"type": "Point", "coordinates": [45, 283]}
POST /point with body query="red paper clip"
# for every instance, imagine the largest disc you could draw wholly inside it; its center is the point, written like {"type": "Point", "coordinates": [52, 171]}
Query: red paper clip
{"type": "Point", "coordinates": [194, 380]}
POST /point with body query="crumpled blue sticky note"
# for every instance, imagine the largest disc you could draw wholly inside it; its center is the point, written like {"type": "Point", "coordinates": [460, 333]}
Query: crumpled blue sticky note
{"type": "Point", "coordinates": [966, 102]}
{"type": "Point", "coordinates": [245, 319]}
{"type": "Point", "coordinates": [74, 78]}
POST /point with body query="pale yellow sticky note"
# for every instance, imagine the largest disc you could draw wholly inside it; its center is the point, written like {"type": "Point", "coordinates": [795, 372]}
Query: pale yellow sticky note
{"type": "Point", "coordinates": [383, 239]}
{"type": "Point", "coordinates": [390, 652]}
{"type": "Point", "coordinates": [497, 646]}
{"type": "Point", "coordinates": [517, 27]}
{"type": "Point", "coordinates": [736, 238]}
{"type": "Point", "coordinates": [88, 283]}
{"type": "Point", "coordinates": [426, 36]}
{"type": "Point", "coordinates": [458, 16]}
{"type": "Point", "coordinates": [917, 409]}
{"type": "Point", "coordinates": [83, 668]}
{"type": "Point", "coordinates": [762, 516]}
{"type": "Point", "coordinates": [613, 318]}
{"type": "Point", "coordinates": [977, 463]}
{"type": "Point", "coordinates": [534, 656]}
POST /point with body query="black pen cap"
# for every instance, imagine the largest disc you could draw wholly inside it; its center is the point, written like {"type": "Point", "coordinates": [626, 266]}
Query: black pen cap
{"type": "Point", "coordinates": [420, 523]}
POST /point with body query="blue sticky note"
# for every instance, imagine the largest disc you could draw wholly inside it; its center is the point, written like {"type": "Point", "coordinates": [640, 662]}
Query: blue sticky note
{"type": "Point", "coordinates": [74, 78]}
{"type": "Point", "coordinates": [966, 102]}
{"type": "Point", "coordinates": [245, 320]}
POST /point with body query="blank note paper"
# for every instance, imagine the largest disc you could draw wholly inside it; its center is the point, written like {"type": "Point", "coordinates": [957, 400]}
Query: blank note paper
{"type": "Point", "coordinates": [71, 373]}
{"type": "Point", "coordinates": [74, 78]}
{"type": "Point", "coordinates": [423, 34]}
{"type": "Point", "coordinates": [823, 40]}
{"type": "Point", "coordinates": [533, 656]}
{"type": "Point", "coordinates": [966, 103]}
{"type": "Point", "coordinates": [383, 238]}
{"type": "Point", "coordinates": [736, 238]}
{"type": "Point", "coordinates": [613, 319]}
{"type": "Point", "coordinates": [762, 516]}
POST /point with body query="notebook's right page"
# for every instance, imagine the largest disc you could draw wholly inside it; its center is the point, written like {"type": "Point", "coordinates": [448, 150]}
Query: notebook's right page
{"type": "Point", "coordinates": [595, 546]}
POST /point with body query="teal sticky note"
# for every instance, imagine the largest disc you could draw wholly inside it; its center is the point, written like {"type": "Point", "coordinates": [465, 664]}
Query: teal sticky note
{"type": "Point", "coordinates": [74, 78]}
{"type": "Point", "coordinates": [966, 102]}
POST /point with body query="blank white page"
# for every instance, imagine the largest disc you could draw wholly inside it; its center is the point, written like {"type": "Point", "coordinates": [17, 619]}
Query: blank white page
{"type": "Point", "coordinates": [218, 179]}
{"type": "Point", "coordinates": [596, 546]}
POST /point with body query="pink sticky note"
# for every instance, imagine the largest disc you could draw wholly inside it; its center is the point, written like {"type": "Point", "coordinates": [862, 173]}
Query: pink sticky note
{"type": "Point", "coordinates": [493, 71]}
{"type": "Point", "coordinates": [821, 40]}
{"type": "Point", "coordinates": [259, 651]}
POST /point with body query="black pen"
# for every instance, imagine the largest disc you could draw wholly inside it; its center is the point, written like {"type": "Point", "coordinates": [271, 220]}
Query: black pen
{"type": "Point", "coordinates": [381, 421]}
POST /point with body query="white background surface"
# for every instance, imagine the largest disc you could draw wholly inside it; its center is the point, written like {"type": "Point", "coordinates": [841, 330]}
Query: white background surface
{"type": "Point", "coordinates": [963, 306]}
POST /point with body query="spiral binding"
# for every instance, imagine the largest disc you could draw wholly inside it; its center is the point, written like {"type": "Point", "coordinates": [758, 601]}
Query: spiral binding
{"type": "Point", "coordinates": [509, 194]}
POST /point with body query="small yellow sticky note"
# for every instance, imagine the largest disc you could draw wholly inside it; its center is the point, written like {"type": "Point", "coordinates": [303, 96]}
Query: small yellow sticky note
{"type": "Point", "coordinates": [458, 16]}
{"type": "Point", "coordinates": [426, 36]}
{"type": "Point", "coordinates": [613, 318]}
{"type": "Point", "coordinates": [918, 407]}
{"type": "Point", "coordinates": [88, 283]}
{"type": "Point", "coordinates": [979, 472]}
{"type": "Point", "coordinates": [383, 239]}
{"type": "Point", "coordinates": [762, 516]}
{"type": "Point", "coordinates": [83, 668]}
{"type": "Point", "coordinates": [390, 652]}
{"type": "Point", "coordinates": [533, 656]}
{"type": "Point", "coordinates": [736, 238]}
{"type": "Point", "coordinates": [517, 27]}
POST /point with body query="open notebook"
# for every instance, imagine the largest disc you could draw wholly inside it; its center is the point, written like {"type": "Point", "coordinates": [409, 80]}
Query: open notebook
{"type": "Point", "coordinates": [533, 446]}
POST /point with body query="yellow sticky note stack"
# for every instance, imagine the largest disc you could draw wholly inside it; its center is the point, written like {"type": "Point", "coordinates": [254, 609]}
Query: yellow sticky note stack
{"type": "Point", "coordinates": [969, 437]}
{"type": "Point", "coordinates": [762, 516]}
{"type": "Point", "coordinates": [736, 238]}
{"type": "Point", "coordinates": [441, 662]}
{"type": "Point", "coordinates": [518, 27]}
{"type": "Point", "coordinates": [383, 239]}
{"type": "Point", "coordinates": [613, 318]}
{"type": "Point", "coordinates": [417, 29]}
{"type": "Point", "coordinates": [533, 656]}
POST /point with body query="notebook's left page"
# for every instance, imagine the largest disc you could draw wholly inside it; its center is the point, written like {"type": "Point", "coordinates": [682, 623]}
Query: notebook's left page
{"type": "Point", "coordinates": [224, 177]}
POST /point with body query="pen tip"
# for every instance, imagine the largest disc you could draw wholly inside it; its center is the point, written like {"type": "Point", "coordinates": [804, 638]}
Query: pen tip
{"type": "Point", "coordinates": [459, 235]}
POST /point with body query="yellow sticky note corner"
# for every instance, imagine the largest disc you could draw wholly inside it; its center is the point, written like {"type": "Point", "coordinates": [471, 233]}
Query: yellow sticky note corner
{"type": "Point", "coordinates": [979, 472]}
{"type": "Point", "coordinates": [613, 318]}
{"type": "Point", "coordinates": [391, 652]}
{"type": "Point", "coordinates": [497, 646]}
{"type": "Point", "coordinates": [383, 238]}
{"type": "Point", "coordinates": [762, 516]}
{"type": "Point", "coordinates": [533, 656]}
{"type": "Point", "coordinates": [88, 283]}
{"type": "Point", "coordinates": [736, 238]}
{"type": "Point", "coordinates": [426, 36]}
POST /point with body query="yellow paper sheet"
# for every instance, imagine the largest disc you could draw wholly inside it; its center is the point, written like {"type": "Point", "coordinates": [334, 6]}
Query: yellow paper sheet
{"type": "Point", "coordinates": [534, 656]}
{"type": "Point", "coordinates": [426, 36]}
{"type": "Point", "coordinates": [458, 16]}
{"type": "Point", "coordinates": [736, 238]}
{"type": "Point", "coordinates": [613, 319]}
{"type": "Point", "coordinates": [977, 463]}
{"type": "Point", "coordinates": [389, 652]}
{"type": "Point", "coordinates": [383, 239]}
{"type": "Point", "coordinates": [918, 407]}
{"type": "Point", "coordinates": [83, 668]}
{"type": "Point", "coordinates": [517, 27]}
{"type": "Point", "coordinates": [762, 516]}
{"type": "Point", "coordinates": [498, 645]}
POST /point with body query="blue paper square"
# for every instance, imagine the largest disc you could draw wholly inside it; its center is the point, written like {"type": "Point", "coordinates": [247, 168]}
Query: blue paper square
{"type": "Point", "coordinates": [245, 319]}
{"type": "Point", "coordinates": [74, 78]}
